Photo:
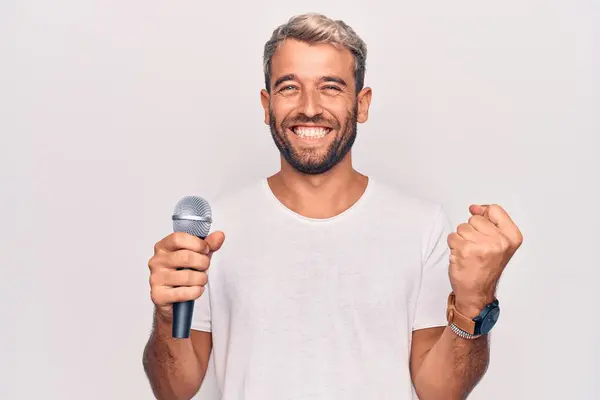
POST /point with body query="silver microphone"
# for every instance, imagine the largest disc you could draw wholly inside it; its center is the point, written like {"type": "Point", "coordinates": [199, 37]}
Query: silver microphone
{"type": "Point", "coordinates": [192, 215]}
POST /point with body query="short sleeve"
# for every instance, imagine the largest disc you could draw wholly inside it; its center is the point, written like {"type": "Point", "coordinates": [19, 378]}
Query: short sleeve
{"type": "Point", "coordinates": [435, 281]}
{"type": "Point", "coordinates": [201, 320]}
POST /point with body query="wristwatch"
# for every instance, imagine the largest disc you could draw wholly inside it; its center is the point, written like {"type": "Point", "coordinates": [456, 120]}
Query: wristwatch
{"type": "Point", "coordinates": [468, 328]}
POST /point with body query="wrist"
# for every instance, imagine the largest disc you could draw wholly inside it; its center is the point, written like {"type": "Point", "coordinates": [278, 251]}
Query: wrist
{"type": "Point", "coordinates": [163, 315]}
{"type": "Point", "coordinates": [474, 317]}
{"type": "Point", "coordinates": [471, 306]}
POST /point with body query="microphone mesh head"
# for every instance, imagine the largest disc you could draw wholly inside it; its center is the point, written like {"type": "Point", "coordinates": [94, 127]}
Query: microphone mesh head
{"type": "Point", "coordinates": [192, 215]}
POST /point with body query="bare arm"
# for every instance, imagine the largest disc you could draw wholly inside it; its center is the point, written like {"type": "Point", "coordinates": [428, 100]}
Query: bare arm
{"type": "Point", "coordinates": [445, 366]}
{"type": "Point", "coordinates": [176, 367]}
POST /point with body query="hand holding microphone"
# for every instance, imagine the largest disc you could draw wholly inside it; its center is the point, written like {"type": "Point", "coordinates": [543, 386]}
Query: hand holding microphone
{"type": "Point", "coordinates": [180, 261]}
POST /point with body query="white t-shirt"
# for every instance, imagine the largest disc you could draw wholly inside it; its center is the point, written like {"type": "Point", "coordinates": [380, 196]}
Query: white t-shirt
{"type": "Point", "coordinates": [323, 309]}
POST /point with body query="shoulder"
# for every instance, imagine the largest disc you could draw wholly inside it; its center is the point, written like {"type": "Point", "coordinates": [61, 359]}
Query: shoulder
{"type": "Point", "coordinates": [397, 202]}
{"type": "Point", "coordinates": [410, 216]}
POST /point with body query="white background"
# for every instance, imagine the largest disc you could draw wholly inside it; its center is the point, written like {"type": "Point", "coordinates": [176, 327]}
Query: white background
{"type": "Point", "coordinates": [110, 111]}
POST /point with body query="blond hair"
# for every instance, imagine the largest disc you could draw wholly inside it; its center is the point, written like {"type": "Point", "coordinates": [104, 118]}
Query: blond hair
{"type": "Point", "coordinates": [316, 28]}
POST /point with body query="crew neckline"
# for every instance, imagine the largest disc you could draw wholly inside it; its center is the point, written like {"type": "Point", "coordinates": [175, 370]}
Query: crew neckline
{"type": "Point", "coordinates": [344, 214]}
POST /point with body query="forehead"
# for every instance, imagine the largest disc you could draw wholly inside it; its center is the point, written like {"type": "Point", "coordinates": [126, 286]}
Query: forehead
{"type": "Point", "coordinates": [311, 61]}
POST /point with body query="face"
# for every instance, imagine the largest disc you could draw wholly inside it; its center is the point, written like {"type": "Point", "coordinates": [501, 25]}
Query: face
{"type": "Point", "coordinates": [313, 108]}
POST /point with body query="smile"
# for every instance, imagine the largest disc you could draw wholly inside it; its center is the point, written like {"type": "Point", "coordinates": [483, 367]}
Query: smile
{"type": "Point", "coordinates": [311, 132]}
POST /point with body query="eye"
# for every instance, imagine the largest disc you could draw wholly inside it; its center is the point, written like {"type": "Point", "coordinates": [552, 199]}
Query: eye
{"type": "Point", "coordinates": [332, 88]}
{"type": "Point", "coordinates": [287, 88]}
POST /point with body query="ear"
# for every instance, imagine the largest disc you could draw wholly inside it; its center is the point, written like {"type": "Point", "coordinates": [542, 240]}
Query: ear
{"type": "Point", "coordinates": [265, 98]}
{"type": "Point", "coordinates": [364, 102]}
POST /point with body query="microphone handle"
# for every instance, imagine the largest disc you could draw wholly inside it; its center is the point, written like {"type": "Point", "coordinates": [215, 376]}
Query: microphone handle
{"type": "Point", "coordinates": [182, 319]}
{"type": "Point", "coordinates": [182, 316]}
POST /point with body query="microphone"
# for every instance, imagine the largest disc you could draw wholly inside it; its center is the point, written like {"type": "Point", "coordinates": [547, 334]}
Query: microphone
{"type": "Point", "coordinates": [192, 215]}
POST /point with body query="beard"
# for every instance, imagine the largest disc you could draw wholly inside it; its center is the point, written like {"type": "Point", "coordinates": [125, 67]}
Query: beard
{"type": "Point", "coordinates": [314, 161]}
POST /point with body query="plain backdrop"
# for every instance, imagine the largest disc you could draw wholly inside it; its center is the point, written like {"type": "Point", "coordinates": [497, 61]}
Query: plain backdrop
{"type": "Point", "coordinates": [110, 111]}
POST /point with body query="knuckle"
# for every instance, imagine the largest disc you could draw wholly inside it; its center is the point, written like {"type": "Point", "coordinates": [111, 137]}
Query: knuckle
{"type": "Point", "coordinates": [453, 240]}
{"type": "Point", "coordinates": [485, 251]}
{"type": "Point", "coordinates": [155, 297]}
{"type": "Point", "coordinates": [502, 243]}
{"type": "Point", "coordinates": [154, 280]}
{"type": "Point", "coordinates": [177, 239]}
{"type": "Point", "coordinates": [489, 248]}
{"type": "Point", "coordinates": [161, 277]}
{"type": "Point", "coordinates": [519, 237]}
{"type": "Point", "coordinates": [154, 263]}
{"type": "Point", "coordinates": [468, 249]}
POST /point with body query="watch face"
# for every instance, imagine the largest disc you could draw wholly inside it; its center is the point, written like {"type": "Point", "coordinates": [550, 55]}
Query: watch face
{"type": "Point", "coordinates": [490, 320]}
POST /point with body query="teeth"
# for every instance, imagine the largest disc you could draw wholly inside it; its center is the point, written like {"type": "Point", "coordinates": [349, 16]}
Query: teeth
{"type": "Point", "coordinates": [310, 132]}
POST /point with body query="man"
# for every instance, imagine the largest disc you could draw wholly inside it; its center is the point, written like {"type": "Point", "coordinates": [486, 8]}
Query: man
{"type": "Point", "coordinates": [332, 284]}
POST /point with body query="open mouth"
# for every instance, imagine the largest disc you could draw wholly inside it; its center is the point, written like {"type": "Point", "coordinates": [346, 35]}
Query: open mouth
{"type": "Point", "coordinates": [311, 132]}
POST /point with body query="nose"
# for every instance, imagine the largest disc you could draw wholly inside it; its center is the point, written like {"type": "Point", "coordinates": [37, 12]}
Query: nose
{"type": "Point", "coordinates": [310, 103]}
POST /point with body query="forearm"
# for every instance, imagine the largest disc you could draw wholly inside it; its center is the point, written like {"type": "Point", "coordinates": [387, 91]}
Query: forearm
{"type": "Point", "coordinates": [171, 365]}
{"type": "Point", "coordinates": [452, 368]}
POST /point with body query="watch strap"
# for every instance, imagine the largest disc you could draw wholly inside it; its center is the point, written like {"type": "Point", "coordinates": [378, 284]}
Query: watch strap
{"type": "Point", "coordinates": [459, 332]}
{"type": "Point", "coordinates": [465, 324]}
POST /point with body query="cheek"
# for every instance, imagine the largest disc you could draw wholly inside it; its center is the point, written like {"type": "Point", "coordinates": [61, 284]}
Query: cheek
{"type": "Point", "coordinates": [280, 111]}
{"type": "Point", "coordinates": [340, 109]}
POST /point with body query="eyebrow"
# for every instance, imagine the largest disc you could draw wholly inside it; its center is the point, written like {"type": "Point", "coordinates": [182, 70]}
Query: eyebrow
{"type": "Point", "coordinates": [291, 77]}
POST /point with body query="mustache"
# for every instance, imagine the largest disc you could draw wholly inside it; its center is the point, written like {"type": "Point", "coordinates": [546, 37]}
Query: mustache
{"type": "Point", "coordinates": [305, 119]}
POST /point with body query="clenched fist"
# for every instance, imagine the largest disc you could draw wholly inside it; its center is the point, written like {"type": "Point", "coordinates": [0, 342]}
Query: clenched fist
{"type": "Point", "coordinates": [178, 268]}
{"type": "Point", "coordinates": [479, 252]}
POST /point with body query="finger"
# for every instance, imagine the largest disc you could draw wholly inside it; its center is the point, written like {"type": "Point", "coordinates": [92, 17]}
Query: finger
{"type": "Point", "coordinates": [468, 233]}
{"type": "Point", "coordinates": [184, 277]}
{"type": "Point", "coordinates": [182, 241]}
{"type": "Point", "coordinates": [496, 214]}
{"type": "Point", "coordinates": [499, 217]}
{"type": "Point", "coordinates": [162, 296]}
{"type": "Point", "coordinates": [478, 209]}
{"type": "Point", "coordinates": [483, 225]}
{"type": "Point", "coordinates": [454, 259]}
{"type": "Point", "coordinates": [215, 240]}
{"type": "Point", "coordinates": [186, 259]}
{"type": "Point", "coordinates": [455, 241]}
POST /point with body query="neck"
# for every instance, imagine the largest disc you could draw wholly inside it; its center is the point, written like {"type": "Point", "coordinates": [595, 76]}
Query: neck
{"type": "Point", "coordinates": [319, 196]}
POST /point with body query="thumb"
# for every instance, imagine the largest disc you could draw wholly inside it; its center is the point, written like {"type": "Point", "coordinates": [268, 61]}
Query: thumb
{"type": "Point", "coordinates": [215, 240]}
{"type": "Point", "coordinates": [476, 209]}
